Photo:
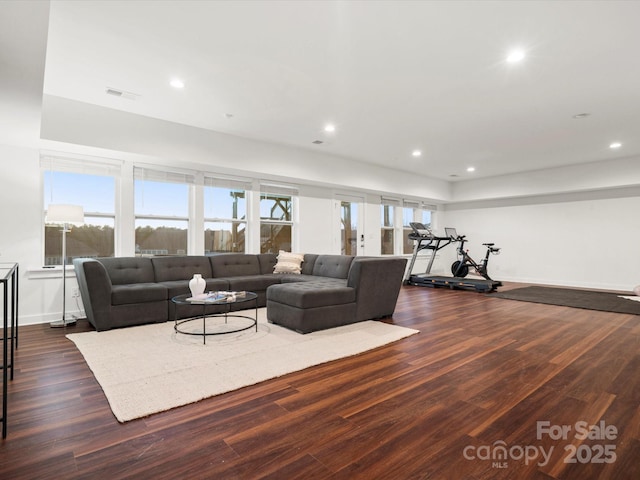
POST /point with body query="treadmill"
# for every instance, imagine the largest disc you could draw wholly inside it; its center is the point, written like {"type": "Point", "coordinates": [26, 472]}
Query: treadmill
{"type": "Point", "coordinates": [426, 240]}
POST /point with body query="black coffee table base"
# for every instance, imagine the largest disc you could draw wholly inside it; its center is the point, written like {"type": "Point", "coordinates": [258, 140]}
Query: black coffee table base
{"type": "Point", "coordinates": [229, 318]}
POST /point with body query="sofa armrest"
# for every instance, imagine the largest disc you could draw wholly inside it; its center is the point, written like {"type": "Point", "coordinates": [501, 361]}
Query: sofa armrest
{"type": "Point", "coordinates": [95, 290]}
{"type": "Point", "coordinates": [377, 282]}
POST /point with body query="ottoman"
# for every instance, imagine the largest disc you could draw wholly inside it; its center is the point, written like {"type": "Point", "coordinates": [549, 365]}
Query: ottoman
{"type": "Point", "coordinates": [309, 306]}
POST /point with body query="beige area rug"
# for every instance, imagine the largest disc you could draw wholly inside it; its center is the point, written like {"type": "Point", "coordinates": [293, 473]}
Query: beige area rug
{"type": "Point", "coordinates": [151, 368]}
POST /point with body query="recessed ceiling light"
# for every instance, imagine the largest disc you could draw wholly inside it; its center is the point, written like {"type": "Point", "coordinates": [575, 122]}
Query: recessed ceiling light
{"type": "Point", "coordinates": [471, 169]}
{"type": "Point", "coordinates": [176, 83]}
{"type": "Point", "coordinates": [615, 145]}
{"type": "Point", "coordinates": [416, 153]}
{"type": "Point", "coordinates": [329, 128]}
{"type": "Point", "coordinates": [515, 56]}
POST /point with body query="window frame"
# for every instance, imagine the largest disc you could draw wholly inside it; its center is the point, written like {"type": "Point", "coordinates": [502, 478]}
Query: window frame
{"type": "Point", "coordinates": [397, 209]}
{"type": "Point", "coordinates": [230, 185]}
{"type": "Point", "coordinates": [282, 191]}
{"type": "Point", "coordinates": [159, 175]}
{"type": "Point", "coordinates": [77, 166]}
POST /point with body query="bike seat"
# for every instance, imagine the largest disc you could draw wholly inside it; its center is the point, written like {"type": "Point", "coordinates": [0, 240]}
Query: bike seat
{"type": "Point", "coordinates": [488, 244]}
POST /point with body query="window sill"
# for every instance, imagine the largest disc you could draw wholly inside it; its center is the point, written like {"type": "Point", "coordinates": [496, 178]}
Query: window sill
{"type": "Point", "coordinates": [49, 272]}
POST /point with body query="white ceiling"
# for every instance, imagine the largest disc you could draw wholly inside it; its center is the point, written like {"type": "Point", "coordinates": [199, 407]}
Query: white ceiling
{"type": "Point", "coordinates": [393, 76]}
{"type": "Point", "coordinates": [23, 42]}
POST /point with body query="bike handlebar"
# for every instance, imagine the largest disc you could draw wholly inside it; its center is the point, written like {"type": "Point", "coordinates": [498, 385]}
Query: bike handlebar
{"type": "Point", "coordinates": [490, 246]}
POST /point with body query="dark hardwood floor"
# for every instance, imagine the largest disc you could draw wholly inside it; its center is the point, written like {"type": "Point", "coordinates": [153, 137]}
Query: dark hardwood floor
{"type": "Point", "coordinates": [474, 382]}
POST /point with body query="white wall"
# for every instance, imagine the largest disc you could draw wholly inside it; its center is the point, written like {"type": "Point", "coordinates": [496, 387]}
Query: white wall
{"type": "Point", "coordinates": [79, 123]}
{"type": "Point", "coordinates": [587, 240]}
{"type": "Point", "coordinates": [591, 176]}
{"type": "Point", "coordinates": [315, 219]}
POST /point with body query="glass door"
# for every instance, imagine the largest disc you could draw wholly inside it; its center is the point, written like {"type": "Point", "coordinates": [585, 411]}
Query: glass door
{"type": "Point", "coordinates": [351, 229]}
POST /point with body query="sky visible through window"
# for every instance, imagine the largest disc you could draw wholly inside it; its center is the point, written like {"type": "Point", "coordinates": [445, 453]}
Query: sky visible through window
{"type": "Point", "coordinates": [95, 193]}
{"type": "Point", "coordinates": [161, 198]}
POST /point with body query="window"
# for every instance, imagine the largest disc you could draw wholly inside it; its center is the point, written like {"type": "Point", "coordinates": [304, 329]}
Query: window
{"type": "Point", "coordinates": [90, 185]}
{"type": "Point", "coordinates": [276, 218]}
{"type": "Point", "coordinates": [161, 212]}
{"type": "Point", "coordinates": [413, 212]}
{"type": "Point", "coordinates": [387, 231]}
{"type": "Point", "coordinates": [389, 209]}
{"type": "Point", "coordinates": [225, 216]}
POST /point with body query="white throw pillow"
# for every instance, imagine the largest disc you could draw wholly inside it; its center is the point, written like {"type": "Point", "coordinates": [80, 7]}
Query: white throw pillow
{"type": "Point", "coordinates": [289, 262]}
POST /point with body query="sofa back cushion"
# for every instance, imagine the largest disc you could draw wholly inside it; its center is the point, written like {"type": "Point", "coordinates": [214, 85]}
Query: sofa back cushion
{"type": "Point", "coordinates": [308, 263]}
{"type": "Point", "coordinates": [267, 262]}
{"type": "Point", "coordinates": [125, 270]}
{"type": "Point", "coordinates": [334, 266]}
{"type": "Point", "coordinates": [234, 265]}
{"type": "Point", "coordinates": [180, 268]}
{"type": "Point", "coordinates": [377, 282]}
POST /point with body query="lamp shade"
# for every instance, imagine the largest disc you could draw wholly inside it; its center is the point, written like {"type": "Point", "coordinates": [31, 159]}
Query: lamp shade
{"type": "Point", "coordinates": [65, 214]}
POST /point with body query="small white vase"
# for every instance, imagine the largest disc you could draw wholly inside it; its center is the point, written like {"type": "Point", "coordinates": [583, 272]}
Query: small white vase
{"type": "Point", "coordinates": [197, 285]}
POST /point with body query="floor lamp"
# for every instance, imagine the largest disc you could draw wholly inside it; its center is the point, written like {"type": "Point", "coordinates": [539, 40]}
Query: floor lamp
{"type": "Point", "coordinates": [65, 215]}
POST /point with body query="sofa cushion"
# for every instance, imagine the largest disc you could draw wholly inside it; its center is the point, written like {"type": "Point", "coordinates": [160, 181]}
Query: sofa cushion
{"type": "Point", "coordinates": [341, 282]}
{"type": "Point", "coordinates": [252, 283]}
{"type": "Point", "coordinates": [128, 270]}
{"type": "Point", "coordinates": [307, 320]}
{"type": "Point", "coordinates": [335, 266]}
{"type": "Point", "coordinates": [136, 314]}
{"type": "Point", "coordinates": [297, 278]}
{"type": "Point", "coordinates": [138, 293]}
{"type": "Point", "coordinates": [310, 294]}
{"type": "Point", "coordinates": [180, 267]}
{"type": "Point", "coordinates": [234, 265]}
{"type": "Point", "coordinates": [288, 263]}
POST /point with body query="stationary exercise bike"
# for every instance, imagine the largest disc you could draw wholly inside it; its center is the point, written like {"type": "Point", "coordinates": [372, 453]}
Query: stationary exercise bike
{"type": "Point", "coordinates": [460, 268]}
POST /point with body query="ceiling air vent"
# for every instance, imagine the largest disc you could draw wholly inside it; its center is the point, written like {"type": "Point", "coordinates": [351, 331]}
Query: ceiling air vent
{"type": "Point", "coordinates": [121, 93]}
{"type": "Point", "coordinates": [317, 142]}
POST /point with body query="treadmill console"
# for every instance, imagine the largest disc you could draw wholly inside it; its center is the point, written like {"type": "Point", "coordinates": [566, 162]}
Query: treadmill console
{"type": "Point", "coordinates": [421, 230]}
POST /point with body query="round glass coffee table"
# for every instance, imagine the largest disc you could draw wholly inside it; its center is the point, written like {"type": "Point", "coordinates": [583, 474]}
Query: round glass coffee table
{"type": "Point", "coordinates": [218, 322]}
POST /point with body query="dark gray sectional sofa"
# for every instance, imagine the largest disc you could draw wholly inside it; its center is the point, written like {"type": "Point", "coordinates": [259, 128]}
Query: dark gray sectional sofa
{"type": "Point", "coordinates": [331, 290]}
